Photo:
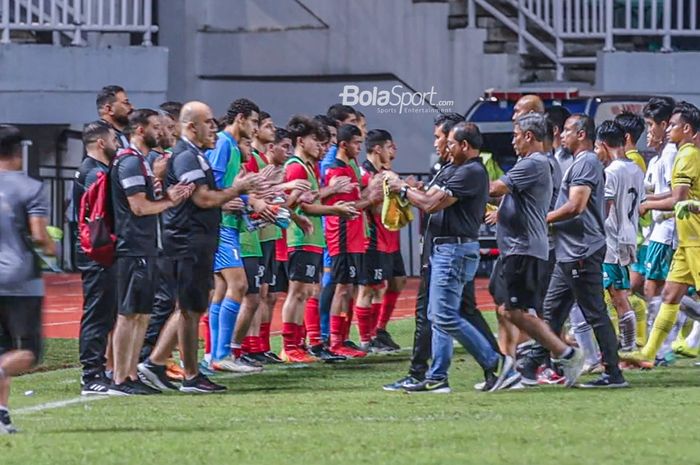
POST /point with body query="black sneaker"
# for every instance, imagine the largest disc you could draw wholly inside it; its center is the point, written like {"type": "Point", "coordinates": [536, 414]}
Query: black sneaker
{"type": "Point", "coordinates": [143, 389]}
{"type": "Point", "coordinates": [200, 384]}
{"type": "Point", "coordinates": [320, 352]}
{"type": "Point", "coordinates": [430, 386]}
{"type": "Point", "coordinates": [378, 347]}
{"type": "Point", "coordinates": [352, 345]}
{"type": "Point", "coordinates": [6, 426]}
{"type": "Point", "coordinates": [250, 361]}
{"type": "Point", "coordinates": [272, 357]}
{"type": "Point", "coordinates": [155, 376]}
{"type": "Point", "coordinates": [95, 386]}
{"type": "Point", "coordinates": [385, 339]}
{"type": "Point", "coordinates": [123, 389]}
{"type": "Point", "coordinates": [259, 357]}
{"type": "Point", "coordinates": [402, 383]}
{"type": "Point", "coordinates": [528, 372]}
{"type": "Point", "coordinates": [606, 382]}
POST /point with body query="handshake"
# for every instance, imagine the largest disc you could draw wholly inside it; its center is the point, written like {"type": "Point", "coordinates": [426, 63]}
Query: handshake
{"type": "Point", "coordinates": [684, 208]}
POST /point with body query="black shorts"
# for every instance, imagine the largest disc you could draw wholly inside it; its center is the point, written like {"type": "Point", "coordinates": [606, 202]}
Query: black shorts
{"type": "Point", "coordinates": [373, 271]}
{"type": "Point", "coordinates": [345, 268]}
{"type": "Point", "coordinates": [393, 265]}
{"type": "Point", "coordinates": [280, 278]}
{"type": "Point", "coordinates": [305, 267]}
{"type": "Point", "coordinates": [20, 324]}
{"type": "Point", "coordinates": [521, 277]}
{"type": "Point", "coordinates": [268, 261]}
{"type": "Point", "coordinates": [254, 273]}
{"type": "Point", "coordinates": [194, 278]}
{"type": "Point", "coordinates": [137, 278]}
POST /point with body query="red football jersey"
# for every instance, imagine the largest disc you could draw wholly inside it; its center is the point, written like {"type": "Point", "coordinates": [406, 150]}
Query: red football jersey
{"type": "Point", "coordinates": [292, 172]}
{"type": "Point", "coordinates": [344, 235]}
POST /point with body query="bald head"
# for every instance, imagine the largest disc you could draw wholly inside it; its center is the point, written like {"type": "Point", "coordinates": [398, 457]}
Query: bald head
{"type": "Point", "coordinates": [528, 104]}
{"type": "Point", "coordinates": [198, 124]}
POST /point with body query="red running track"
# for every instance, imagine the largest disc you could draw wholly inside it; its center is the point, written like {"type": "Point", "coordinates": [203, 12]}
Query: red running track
{"type": "Point", "coordinates": [64, 299]}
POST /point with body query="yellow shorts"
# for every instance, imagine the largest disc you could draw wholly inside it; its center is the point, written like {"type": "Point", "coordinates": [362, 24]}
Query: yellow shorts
{"type": "Point", "coordinates": [685, 266]}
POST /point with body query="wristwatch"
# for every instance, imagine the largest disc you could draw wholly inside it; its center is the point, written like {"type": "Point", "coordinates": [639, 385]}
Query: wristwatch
{"type": "Point", "coordinates": [403, 193]}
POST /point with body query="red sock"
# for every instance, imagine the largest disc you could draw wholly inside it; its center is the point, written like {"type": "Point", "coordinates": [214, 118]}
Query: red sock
{"type": "Point", "coordinates": [247, 345]}
{"type": "Point", "coordinates": [388, 305]}
{"type": "Point", "coordinates": [364, 323]}
{"type": "Point", "coordinates": [337, 330]}
{"type": "Point", "coordinates": [376, 308]}
{"type": "Point", "coordinates": [290, 338]}
{"type": "Point", "coordinates": [264, 337]}
{"type": "Point", "coordinates": [301, 335]}
{"type": "Point", "coordinates": [348, 322]}
{"type": "Point", "coordinates": [312, 321]}
{"type": "Point", "coordinates": [237, 351]}
{"type": "Point", "coordinates": [207, 334]}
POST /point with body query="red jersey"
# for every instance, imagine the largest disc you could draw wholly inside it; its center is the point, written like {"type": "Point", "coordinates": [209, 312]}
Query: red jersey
{"type": "Point", "coordinates": [380, 238]}
{"type": "Point", "coordinates": [342, 234]}
{"type": "Point", "coordinates": [252, 165]}
{"type": "Point", "coordinates": [293, 171]}
{"type": "Point", "coordinates": [281, 250]}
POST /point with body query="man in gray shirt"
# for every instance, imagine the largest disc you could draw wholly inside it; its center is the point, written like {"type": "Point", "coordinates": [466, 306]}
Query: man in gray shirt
{"type": "Point", "coordinates": [23, 221]}
{"type": "Point", "coordinates": [523, 242]}
{"type": "Point", "coordinates": [578, 224]}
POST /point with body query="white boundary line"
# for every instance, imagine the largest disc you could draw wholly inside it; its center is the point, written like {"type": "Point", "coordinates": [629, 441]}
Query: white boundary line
{"type": "Point", "coordinates": [56, 404]}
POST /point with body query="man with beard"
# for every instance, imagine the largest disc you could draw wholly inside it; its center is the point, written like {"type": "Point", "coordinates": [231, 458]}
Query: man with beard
{"type": "Point", "coordinates": [114, 108]}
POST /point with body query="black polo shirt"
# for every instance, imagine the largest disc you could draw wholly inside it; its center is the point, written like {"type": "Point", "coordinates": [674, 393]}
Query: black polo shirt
{"type": "Point", "coordinates": [469, 183]}
{"type": "Point", "coordinates": [137, 236]}
{"type": "Point", "coordinates": [187, 226]}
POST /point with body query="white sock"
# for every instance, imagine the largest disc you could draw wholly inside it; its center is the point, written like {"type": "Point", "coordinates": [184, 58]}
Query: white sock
{"type": "Point", "coordinates": [652, 310]}
{"type": "Point", "coordinates": [583, 333]}
{"type": "Point", "coordinates": [693, 339]}
{"type": "Point", "coordinates": [207, 358]}
{"type": "Point", "coordinates": [690, 307]}
{"type": "Point", "coordinates": [628, 331]}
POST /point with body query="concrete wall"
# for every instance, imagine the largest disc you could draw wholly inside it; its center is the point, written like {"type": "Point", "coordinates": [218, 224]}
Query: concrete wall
{"type": "Point", "coordinates": [674, 74]}
{"type": "Point", "coordinates": [297, 57]}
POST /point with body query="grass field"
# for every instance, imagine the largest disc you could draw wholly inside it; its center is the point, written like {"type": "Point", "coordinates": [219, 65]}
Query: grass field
{"type": "Point", "coordinates": [327, 414]}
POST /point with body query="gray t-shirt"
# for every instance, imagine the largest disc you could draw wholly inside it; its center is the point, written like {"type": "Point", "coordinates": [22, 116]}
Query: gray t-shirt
{"type": "Point", "coordinates": [522, 229]}
{"type": "Point", "coordinates": [20, 198]}
{"type": "Point", "coordinates": [583, 235]}
{"type": "Point", "coordinates": [556, 185]}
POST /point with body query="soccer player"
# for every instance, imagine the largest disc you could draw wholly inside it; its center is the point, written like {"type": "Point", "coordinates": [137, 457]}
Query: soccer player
{"type": "Point", "coordinates": [580, 248]}
{"type": "Point", "coordinates": [23, 222]}
{"type": "Point", "coordinates": [659, 252]}
{"type": "Point", "coordinates": [624, 191]}
{"type": "Point", "coordinates": [523, 242]}
{"type": "Point", "coordinates": [460, 193]}
{"type": "Point", "coordinates": [99, 293]}
{"type": "Point", "coordinates": [114, 108]}
{"type": "Point", "coordinates": [305, 245]}
{"type": "Point", "coordinates": [685, 185]}
{"type": "Point", "coordinates": [191, 234]}
{"type": "Point", "coordinates": [346, 245]}
{"type": "Point", "coordinates": [137, 200]}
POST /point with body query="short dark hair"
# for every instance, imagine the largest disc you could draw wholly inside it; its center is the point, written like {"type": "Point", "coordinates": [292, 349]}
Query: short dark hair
{"type": "Point", "coordinates": [659, 109]}
{"type": "Point", "coordinates": [359, 114]}
{"type": "Point", "coordinates": [94, 131]}
{"type": "Point", "coordinates": [377, 137]}
{"type": "Point", "coordinates": [548, 130]}
{"type": "Point", "coordinates": [241, 106]}
{"type": "Point", "coordinates": [281, 134]}
{"type": "Point", "coordinates": [172, 108]}
{"type": "Point", "coordinates": [584, 123]}
{"type": "Point", "coordinates": [326, 120]}
{"type": "Point", "coordinates": [689, 114]}
{"type": "Point", "coordinates": [340, 112]}
{"type": "Point", "coordinates": [632, 124]}
{"type": "Point", "coordinates": [139, 118]}
{"type": "Point", "coordinates": [558, 116]}
{"type": "Point", "coordinates": [10, 141]}
{"type": "Point", "coordinates": [301, 126]}
{"type": "Point", "coordinates": [612, 133]}
{"type": "Point", "coordinates": [323, 133]}
{"type": "Point", "coordinates": [533, 123]}
{"type": "Point", "coordinates": [469, 132]}
{"type": "Point", "coordinates": [264, 115]}
{"type": "Point", "coordinates": [443, 118]}
{"type": "Point", "coordinates": [347, 131]}
{"type": "Point", "coordinates": [108, 95]}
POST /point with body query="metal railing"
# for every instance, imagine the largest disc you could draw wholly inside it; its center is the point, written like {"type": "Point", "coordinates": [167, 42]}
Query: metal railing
{"type": "Point", "coordinates": [605, 20]}
{"type": "Point", "coordinates": [75, 17]}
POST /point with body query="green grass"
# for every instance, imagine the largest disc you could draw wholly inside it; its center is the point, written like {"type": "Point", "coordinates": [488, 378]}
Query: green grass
{"type": "Point", "coordinates": [338, 414]}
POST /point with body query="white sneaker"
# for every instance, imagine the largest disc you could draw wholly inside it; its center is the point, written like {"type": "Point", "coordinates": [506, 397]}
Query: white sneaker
{"type": "Point", "coordinates": [480, 386]}
{"type": "Point", "coordinates": [592, 368]}
{"type": "Point", "coordinates": [234, 365]}
{"type": "Point", "coordinates": [572, 367]}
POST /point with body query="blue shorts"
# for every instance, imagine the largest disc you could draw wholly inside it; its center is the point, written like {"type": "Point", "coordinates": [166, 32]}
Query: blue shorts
{"type": "Point", "coordinates": [617, 276]}
{"type": "Point", "coordinates": [327, 262]}
{"type": "Point", "coordinates": [228, 253]}
{"type": "Point", "coordinates": [638, 266]}
{"type": "Point", "coordinates": [658, 261]}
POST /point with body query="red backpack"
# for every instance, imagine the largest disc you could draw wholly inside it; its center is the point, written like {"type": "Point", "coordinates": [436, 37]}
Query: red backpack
{"type": "Point", "coordinates": [96, 218]}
